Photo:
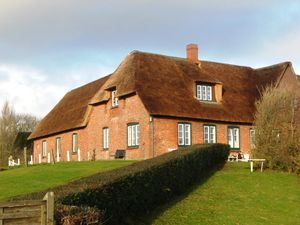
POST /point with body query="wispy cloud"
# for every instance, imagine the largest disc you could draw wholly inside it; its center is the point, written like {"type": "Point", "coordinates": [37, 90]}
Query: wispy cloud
{"type": "Point", "coordinates": [28, 90]}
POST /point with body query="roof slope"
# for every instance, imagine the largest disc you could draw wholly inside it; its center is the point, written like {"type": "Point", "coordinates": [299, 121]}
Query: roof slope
{"type": "Point", "coordinates": [166, 87]}
{"type": "Point", "coordinates": [70, 112]}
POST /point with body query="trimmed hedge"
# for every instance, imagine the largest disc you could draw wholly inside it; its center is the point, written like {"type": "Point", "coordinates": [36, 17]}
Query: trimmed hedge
{"type": "Point", "coordinates": [146, 184]}
{"type": "Point", "coordinates": [125, 192]}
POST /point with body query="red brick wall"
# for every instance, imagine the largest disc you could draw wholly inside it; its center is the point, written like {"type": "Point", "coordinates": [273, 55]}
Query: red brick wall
{"type": "Point", "coordinates": [166, 134]}
{"type": "Point", "coordinates": [130, 110]}
{"type": "Point", "coordinates": [116, 119]}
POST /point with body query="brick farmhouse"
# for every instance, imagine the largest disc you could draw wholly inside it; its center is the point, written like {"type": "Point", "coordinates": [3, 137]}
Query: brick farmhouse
{"type": "Point", "coordinates": [152, 104]}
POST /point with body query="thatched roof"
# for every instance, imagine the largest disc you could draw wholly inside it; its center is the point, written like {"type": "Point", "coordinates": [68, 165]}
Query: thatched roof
{"type": "Point", "coordinates": [166, 87]}
{"type": "Point", "coordinates": [71, 112]}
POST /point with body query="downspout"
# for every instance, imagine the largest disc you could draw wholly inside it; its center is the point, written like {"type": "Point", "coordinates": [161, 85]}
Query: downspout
{"type": "Point", "coordinates": [152, 136]}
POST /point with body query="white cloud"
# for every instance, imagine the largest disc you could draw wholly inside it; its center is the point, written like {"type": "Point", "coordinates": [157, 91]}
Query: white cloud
{"type": "Point", "coordinates": [29, 90]}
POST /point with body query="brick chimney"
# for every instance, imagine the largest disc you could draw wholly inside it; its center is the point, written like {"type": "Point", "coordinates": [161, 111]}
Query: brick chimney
{"type": "Point", "coordinates": [192, 53]}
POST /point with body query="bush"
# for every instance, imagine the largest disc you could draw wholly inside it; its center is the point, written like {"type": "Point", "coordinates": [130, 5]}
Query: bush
{"type": "Point", "coordinates": [277, 135]}
{"type": "Point", "coordinates": [74, 215]}
{"type": "Point", "coordinates": [149, 183]}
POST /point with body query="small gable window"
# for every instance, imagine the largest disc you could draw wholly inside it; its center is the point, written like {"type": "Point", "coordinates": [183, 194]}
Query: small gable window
{"type": "Point", "coordinates": [105, 132]}
{"type": "Point", "coordinates": [74, 142]}
{"type": "Point", "coordinates": [44, 148]}
{"type": "Point", "coordinates": [204, 92]}
{"type": "Point", "coordinates": [58, 146]}
{"type": "Point", "coordinates": [114, 99]}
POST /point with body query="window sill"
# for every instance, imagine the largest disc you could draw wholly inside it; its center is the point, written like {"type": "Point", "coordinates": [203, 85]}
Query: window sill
{"type": "Point", "coordinates": [209, 102]}
{"type": "Point", "coordinates": [105, 149]}
{"type": "Point", "coordinates": [235, 149]}
{"type": "Point", "coordinates": [114, 107]}
{"type": "Point", "coordinates": [133, 147]}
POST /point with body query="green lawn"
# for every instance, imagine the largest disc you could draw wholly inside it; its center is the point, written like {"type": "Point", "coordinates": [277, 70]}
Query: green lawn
{"type": "Point", "coordinates": [22, 180]}
{"type": "Point", "coordinates": [235, 196]}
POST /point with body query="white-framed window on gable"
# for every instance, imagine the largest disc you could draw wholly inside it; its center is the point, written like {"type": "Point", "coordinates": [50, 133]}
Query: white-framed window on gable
{"type": "Point", "coordinates": [114, 99]}
{"type": "Point", "coordinates": [209, 134]}
{"type": "Point", "coordinates": [204, 92]}
{"type": "Point", "coordinates": [184, 134]}
{"type": "Point", "coordinates": [58, 146]}
{"type": "Point", "coordinates": [44, 148]}
{"type": "Point", "coordinates": [234, 137]}
{"type": "Point", "coordinates": [133, 135]}
{"type": "Point", "coordinates": [105, 134]}
{"type": "Point", "coordinates": [252, 138]}
{"type": "Point", "coordinates": [74, 142]}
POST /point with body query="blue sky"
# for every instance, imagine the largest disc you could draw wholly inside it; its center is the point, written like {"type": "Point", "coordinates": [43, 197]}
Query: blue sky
{"type": "Point", "coordinates": [48, 47]}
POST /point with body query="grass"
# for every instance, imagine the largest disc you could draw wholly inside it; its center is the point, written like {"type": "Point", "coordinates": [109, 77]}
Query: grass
{"type": "Point", "coordinates": [22, 180]}
{"type": "Point", "coordinates": [234, 196]}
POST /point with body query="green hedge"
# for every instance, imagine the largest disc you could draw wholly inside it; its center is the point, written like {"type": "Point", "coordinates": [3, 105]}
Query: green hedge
{"type": "Point", "coordinates": [140, 187]}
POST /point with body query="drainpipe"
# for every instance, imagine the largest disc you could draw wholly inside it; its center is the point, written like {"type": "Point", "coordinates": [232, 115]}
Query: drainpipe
{"type": "Point", "coordinates": [152, 136]}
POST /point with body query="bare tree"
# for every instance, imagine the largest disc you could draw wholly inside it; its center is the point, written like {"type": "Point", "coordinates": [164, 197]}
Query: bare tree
{"type": "Point", "coordinates": [277, 135]}
{"type": "Point", "coordinates": [10, 124]}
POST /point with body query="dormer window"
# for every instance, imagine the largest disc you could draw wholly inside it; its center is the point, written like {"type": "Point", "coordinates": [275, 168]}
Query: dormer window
{"type": "Point", "coordinates": [114, 99]}
{"type": "Point", "coordinates": [204, 92]}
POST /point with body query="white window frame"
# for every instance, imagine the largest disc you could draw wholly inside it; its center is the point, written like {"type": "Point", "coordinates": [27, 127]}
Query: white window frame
{"type": "Point", "coordinates": [105, 136]}
{"type": "Point", "coordinates": [133, 134]}
{"type": "Point", "coordinates": [209, 133]}
{"type": "Point", "coordinates": [184, 134]}
{"type": "Point", "coordinates": [74, 142]}
{"type": "Point", "coordinates": [114, 99]}
{"type": "Point", "coordinates": [252, 138]}
{"type": "Point", "coordinates": [204, 92]}
{"type": "Point", "coordinates": [58, 146]}
{"type": "Point", "coordinates": [44, 148]}
{"type": "Point", "coordinates": [234, 137]}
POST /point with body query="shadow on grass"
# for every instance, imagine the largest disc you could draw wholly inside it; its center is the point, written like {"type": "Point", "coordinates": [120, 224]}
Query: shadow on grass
{"type": "Point", "coordinates": [149, 218]}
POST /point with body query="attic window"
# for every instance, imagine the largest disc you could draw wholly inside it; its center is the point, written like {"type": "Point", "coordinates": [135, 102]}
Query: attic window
{"type": "Point", "coordinates": [204, 92]}
{"type": "Point", "coordinates": [114, 99]}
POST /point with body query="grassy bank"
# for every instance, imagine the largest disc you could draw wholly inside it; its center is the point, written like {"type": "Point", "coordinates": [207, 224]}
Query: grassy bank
{"type": "Point", "coordinates": [18, 181]}
{"type": "Point", "coordinates": [234, 196]}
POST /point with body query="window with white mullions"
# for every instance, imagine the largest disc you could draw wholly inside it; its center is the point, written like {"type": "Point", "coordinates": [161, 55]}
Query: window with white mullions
{"type": "Point", "coordinates": [74, 142]}
{"type": "Point", "coordinates": [184, 134]}
{"type": "Point", "coordinates": [209, 134]}
{"type": "Point", "coordinates": [44, 148]}
{"type": "Point", "coordinates": [234, 137]}
{"type": "Point", "coordinates": [105, 138]}
{"type": "Point", "coordinates": [204, 92]}
{"type": "Point", "coordinates": [58, 146]}
{"type": "Point", "coordinates": [114, 99]}
{"type": "Point", "coordinates": [133, 133]}
{"type": "Point", "coordinates": [252, 138]}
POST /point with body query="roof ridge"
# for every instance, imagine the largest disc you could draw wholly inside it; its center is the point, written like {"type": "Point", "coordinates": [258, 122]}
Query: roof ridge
{"type": "Point", "coordinates": [274, 65]}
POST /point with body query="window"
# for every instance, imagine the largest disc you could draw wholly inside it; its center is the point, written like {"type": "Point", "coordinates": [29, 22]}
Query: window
{"type": "Point", "coordinates": [209, 134]}
{"type": "Point", "coordinates": [114, 99]}
{"type": "Point", "coordinates": [44, 148]}
{"type": "Point", "coordinates": [184, 134]}
{"type": "Point", "coordinates": [204, 92]}
{"type": "Point", "coordinates": [105, 132]}
{"type": "Point", "coordinates": [252, 138]}
{"type": "Point", "coordinates": [58, 146]}
{"type": "Point", "coordinates": [74, 142]}
{"type": "Point", "coordinates": [234, 137]}
{"type": "Point", "coordinates": [133, 133]}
